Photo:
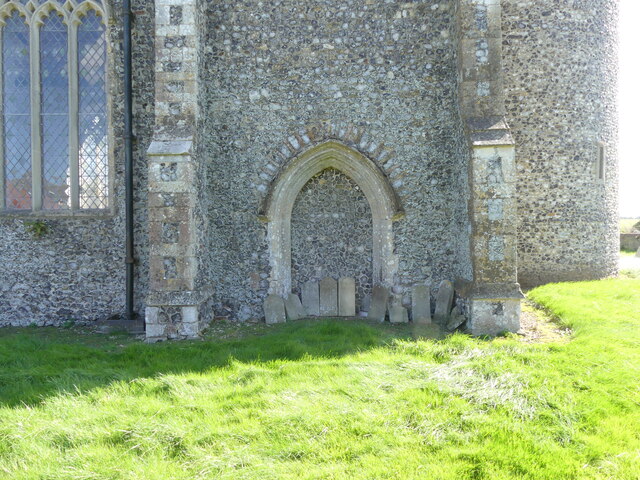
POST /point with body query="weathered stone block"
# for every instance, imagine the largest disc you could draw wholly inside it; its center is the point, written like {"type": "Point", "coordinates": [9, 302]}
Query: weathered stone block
{"type": "Point", "coordinates": [178, 213]}
{"type": "Point", "coordinates": [172, 274]}
{"type": "Point", "coordinates": [444, 302]}
{"type": "Point", "coordinates": [155, 330]}
{"type": "Point", "coordinates": [311, 298]}
{"type": "Point", "coordinates": [398, 314]}
{"type": "Point", "coordinates": [190, 314]}
{"type": "Point", "coordinates": [328, 297]}
{"type": "Point", "coordinates": [274, 311]}
{"type": "Point", "coordinates": [456, 318]}
{"type": "Point", "coordinates": [347, 297]}
{"type": "Point", "coordinates": [294, 308]}
{"type": "Point", "coordinates": [421, 304]}
{"type": "Point", "coordinates": [189, 330]}
{"type": "Point", "coordinates": [151, 315]}
{"type": "Point", "coordinates": [379, 300]}
{"type": "Point", "coordinates": [493, 316]}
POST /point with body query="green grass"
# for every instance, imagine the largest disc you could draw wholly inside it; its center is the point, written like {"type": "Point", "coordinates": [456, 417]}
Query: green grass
{"type": "Point", "coordinates": [332, 399]}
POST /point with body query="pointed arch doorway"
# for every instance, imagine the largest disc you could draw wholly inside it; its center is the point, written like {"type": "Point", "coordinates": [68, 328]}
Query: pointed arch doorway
{"type": "Point", "coordinates": [278, 206]}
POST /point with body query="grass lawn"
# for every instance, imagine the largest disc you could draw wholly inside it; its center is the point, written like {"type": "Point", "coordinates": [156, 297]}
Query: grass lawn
{"type": "Point", "coordinates": [332, 399]}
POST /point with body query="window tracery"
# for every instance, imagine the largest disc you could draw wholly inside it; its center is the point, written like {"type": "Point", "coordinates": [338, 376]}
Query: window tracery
{"type": "Point", "coordinates": [53, 140]}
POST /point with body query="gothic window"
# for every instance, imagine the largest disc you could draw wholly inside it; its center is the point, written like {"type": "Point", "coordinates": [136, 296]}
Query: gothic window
{"type": "Point", "coordinates": [53, 136]}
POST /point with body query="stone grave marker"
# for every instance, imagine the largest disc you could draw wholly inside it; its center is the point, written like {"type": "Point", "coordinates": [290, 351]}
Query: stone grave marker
{"type": "Point", "coordinates": [378, 309]}
{"type": "Point", "coordinates": [421, 304]}
{"type": "Point", "coordinates": [455, 319]}
{"type": "Point", "coordinates": [328, 297]}
{"type": "Point", "coordinates": [274, 310]}
{"type": "Point", "coordinates": [444, 302]}
{"type": "Point", "coordinates": [398, 314]}
{"type": "Point", "coordinates": [347, 297]}
{"type": "Point", "coordinates": [311, 298]}
{"type": "Point", "coordinates": [294, 308]}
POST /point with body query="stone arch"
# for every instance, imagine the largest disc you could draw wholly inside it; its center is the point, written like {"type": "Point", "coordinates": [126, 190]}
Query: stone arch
{"type": "Point", "coordinates": [44, 10]}
{"type": "Point", "coordinates": [7, 10]}
{"type": "Point", "coordinates": [278, 205]}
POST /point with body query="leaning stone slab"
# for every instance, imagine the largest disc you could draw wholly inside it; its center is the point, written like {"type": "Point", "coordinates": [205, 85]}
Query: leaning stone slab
{"type": "Point", "coordinates": [398, 314]}
{"type": "Point", "coordinates": [378, 309]}
{"type": "Point", "coordinates": [347, 297]}
{"type": "Point", "coordinates": [444, 302]}
{"type": "Point", "coordinates": [421, 304]}
{"type": "Point", "coordinates": [311, 298]}
{"type": "Point", "coordinates": [274, 310]}
{"type": "Point", "coordinates": [638, 253]}
{"type": "Point", "coordinates": [328, 297]}
{"type": "Point", "coordinates": [293, 307]}
{"type": "Point", "coordinates": [455, 319]}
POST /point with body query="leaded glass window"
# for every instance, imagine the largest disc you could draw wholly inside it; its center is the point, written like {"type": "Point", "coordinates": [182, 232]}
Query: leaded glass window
{"type": "Point", "coordinates": [17, 114]}
{"type": "Point", "coordinates": [53, 140]}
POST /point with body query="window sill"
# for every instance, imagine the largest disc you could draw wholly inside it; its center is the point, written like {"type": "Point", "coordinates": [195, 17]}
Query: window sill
{"type": "Point", "coordinates": [105, 214]}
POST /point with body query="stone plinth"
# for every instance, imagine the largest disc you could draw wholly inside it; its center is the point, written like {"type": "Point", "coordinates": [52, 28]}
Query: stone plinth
{"type": "Point", "coordinates": [177, 315]}
{"type": "Point", "coordinates": [494, 316]}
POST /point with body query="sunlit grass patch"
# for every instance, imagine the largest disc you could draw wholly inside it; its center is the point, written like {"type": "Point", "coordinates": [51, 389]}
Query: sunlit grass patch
{"type": "Point", "coordinates": [332, 399]}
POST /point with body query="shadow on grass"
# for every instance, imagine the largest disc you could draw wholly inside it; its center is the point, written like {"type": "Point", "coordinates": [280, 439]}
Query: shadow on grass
{"type": "Point", "coordinates": [36, 363]}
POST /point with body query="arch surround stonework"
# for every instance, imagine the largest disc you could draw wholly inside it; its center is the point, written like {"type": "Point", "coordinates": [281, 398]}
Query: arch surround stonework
{"type": "Point", "coordinates": [278, 206]}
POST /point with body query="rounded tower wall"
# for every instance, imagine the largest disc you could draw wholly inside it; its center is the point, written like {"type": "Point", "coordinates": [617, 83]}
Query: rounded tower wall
{"type": "Point", "coordinates": [560, 78]}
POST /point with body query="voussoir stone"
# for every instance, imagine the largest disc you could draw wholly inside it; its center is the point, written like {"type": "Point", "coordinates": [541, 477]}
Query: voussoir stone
{"type": "Point", "coordinates": [328, 297]}
{"type": "Point", "coordinates": [347, 297]}
{"type": "Point", "coordinates": [444, 302]}
{"type": "Point", "coordinates": [379, 299]}
{"type": "Point", "coordinates": [421, 304]}
{"type": "Point", "coordinates": [311, 298]}
{"type": "Point", "coordinates": [274, 311]}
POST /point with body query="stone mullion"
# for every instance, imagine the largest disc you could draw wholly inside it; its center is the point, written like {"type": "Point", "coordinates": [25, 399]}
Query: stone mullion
{"type": "Point", "coordinates": [74, 151]}
{"type": "Point", "coordinates": [36, 131]}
